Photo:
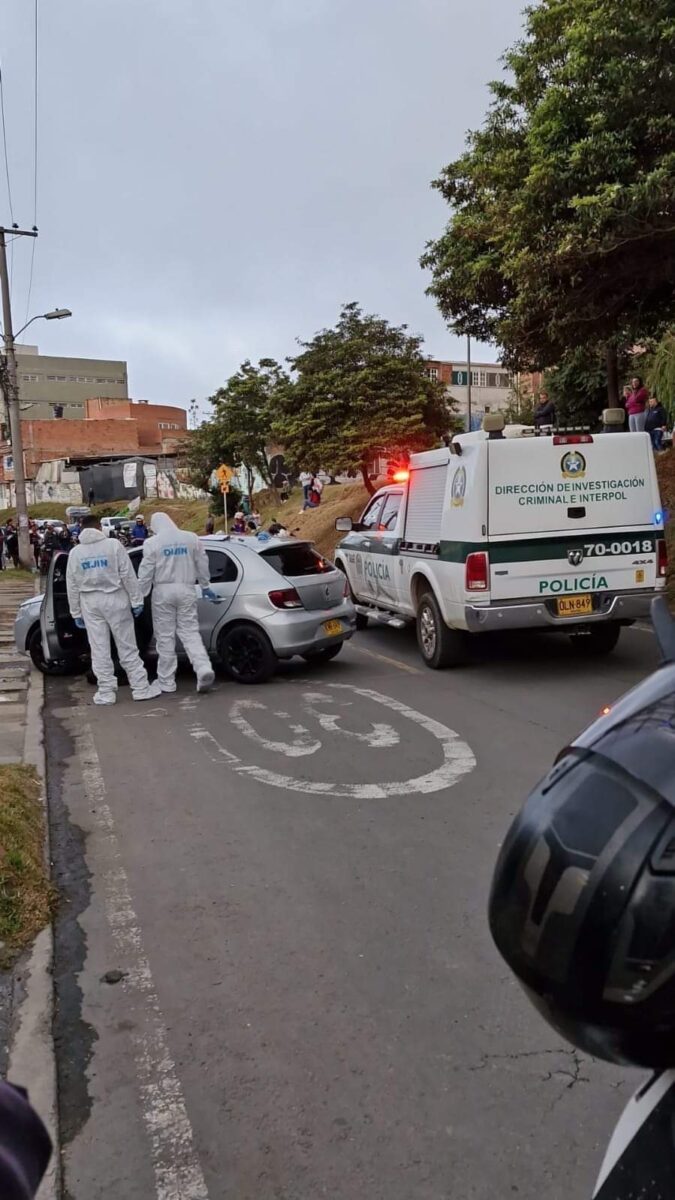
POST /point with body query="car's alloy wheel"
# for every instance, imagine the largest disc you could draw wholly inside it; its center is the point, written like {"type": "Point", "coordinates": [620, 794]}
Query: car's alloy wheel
{"type": "Point", "coordinates": [246, 654]}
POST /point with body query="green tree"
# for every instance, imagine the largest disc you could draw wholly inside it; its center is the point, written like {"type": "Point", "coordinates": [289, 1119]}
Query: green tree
{"type": "Point", "coordinates": [578, 386]}
{"type": "Point", "coordinates": [563, 228]}
{"type": "Point", "coordinates": [361, 390]}
{"type": "Point", "coordinates": [661, 371]}
{"type": "Point", "coordinates": [240, 430]}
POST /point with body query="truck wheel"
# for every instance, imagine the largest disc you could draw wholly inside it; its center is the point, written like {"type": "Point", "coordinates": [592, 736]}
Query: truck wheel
{"type": "Point", "coordinates": [599, 639]}
{"type": "Point", "coordinates": [439, 645]}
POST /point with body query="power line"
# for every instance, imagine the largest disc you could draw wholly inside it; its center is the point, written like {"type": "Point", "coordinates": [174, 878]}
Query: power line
{"type": "Point", "coordinates": [4, 143]}
{"type": "Point", "coordinates": [35, 158]}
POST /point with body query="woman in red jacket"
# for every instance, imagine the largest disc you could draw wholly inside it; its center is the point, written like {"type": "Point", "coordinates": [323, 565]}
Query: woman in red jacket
{"type": "Point", "coordinates": [636, 405]}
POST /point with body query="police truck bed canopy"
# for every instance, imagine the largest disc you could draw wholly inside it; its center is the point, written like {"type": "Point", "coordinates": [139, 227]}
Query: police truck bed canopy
{"type": "Point", "coordinates": [546, 486]}
{"type": "Point", "coordinates": [428, 480]}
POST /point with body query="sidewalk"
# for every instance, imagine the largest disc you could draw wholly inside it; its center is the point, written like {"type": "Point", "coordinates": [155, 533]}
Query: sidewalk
{"type": "Point", "coordinates": [29, 993]}
{"type": "Point", "coordinates": [15, 669]}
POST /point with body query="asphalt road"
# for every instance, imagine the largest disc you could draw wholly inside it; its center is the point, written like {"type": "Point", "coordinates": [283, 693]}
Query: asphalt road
{"type": "Point", "coordinates": [274, 975]}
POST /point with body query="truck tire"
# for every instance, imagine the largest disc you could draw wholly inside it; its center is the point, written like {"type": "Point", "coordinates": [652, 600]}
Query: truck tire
{"type": "Point", "coordinates": [438, 645]}
{"type": "Point", "coordinates": [598, 640]}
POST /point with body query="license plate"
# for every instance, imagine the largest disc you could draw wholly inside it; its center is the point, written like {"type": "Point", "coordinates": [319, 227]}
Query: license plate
{"type": "Point", "coordinates": [575, 606]}
{"type": "Point", "coordinates": [332, 627]}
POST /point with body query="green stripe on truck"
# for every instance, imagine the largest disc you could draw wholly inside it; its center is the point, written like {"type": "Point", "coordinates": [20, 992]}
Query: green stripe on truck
{"type": "Point", "coordinates": [536, 549]}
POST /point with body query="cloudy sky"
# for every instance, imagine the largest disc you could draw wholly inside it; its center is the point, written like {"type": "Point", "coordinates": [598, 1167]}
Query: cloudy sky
{"type": "Point", "coordinates": [215, 177]}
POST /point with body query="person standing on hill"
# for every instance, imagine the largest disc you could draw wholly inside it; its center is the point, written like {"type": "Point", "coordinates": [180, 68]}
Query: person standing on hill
{"type": "Point", "coordinates": [544, 413]}
{"type": "Point", "coordinates": [656, 422]}
{"type": "Point", "coordinates": [636, 405]}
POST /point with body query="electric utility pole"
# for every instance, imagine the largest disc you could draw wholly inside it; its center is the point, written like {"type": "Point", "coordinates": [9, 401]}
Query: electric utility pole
{"type": "Point", "coordinates": [12, 398]}
{"type": "Point", "coordinates": [468, 382]}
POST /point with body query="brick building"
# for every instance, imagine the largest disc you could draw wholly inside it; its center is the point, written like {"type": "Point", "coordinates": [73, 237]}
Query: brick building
{"type": "Point", "coordinates": [158, 424]}
{"type": "Point", "coordinates": [113, 428]}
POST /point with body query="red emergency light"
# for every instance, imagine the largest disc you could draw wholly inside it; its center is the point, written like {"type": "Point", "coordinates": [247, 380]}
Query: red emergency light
{"type": "Point", "coordinates": [401, 476]}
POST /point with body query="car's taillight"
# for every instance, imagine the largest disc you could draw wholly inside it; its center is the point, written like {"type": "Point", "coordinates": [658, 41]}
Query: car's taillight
{"type": "Point", "coordinates": [661, 558]}
{"type": "Point", "coordinates": [477, 572]}
{"type": "Point", "coordinates": [286, 598]}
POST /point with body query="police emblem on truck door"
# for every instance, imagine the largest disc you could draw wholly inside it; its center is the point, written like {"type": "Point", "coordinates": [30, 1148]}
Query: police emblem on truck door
{"type": "Point", "coordinates": [575, 557]}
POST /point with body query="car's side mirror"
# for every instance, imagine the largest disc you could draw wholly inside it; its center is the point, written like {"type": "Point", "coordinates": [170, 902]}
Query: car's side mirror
{"type": "Point", "coordinates": [344, 524]}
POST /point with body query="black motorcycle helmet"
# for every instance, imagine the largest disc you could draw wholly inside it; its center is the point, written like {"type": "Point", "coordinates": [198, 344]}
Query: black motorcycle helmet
{"type": "Point", "coordinates": [582, 906]}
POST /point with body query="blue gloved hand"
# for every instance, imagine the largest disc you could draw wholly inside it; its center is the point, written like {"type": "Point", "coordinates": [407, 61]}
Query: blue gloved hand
{"type": "Point", "coordinates": [209, 594]}
{"type": "Point", "coordinates": [137, 610]}
{"type": "Point", "coordinates": [79, 623]}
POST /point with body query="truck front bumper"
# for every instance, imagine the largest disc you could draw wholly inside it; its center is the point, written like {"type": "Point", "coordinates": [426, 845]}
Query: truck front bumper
{"type": "Point", "coordinates": [535, 614]}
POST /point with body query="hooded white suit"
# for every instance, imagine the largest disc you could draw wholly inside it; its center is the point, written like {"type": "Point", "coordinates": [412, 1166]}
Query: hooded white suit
{"type": "Point", "coordinates": [102, 590]}
{"type": "Point", "coordinates": [173, 560]}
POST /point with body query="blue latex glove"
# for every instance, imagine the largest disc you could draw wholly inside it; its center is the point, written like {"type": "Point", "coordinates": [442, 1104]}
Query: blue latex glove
{"type": "Point", "coordinates": [209, 594]}
{"type": "Point", "coordinates": [137, 610]}
{"type": "Point", "coordinates": [79, 623]}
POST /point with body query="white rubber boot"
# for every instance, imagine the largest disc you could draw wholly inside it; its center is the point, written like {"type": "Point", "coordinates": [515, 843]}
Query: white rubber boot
{"type": "Point", "coordinates": [206, 681]}
{"type": "Point", "coordinates": [105, 697]}
{"type": "Point", "coordinates": [152, 691]}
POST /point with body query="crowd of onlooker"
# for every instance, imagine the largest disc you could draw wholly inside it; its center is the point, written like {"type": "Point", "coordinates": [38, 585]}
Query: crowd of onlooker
{"type": "Point", "coordinates": [45, 538]}
{"type": "Point", "coordinates": [643, 412]}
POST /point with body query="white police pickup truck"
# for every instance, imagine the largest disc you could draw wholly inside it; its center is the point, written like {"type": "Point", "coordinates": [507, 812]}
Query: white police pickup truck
{"type": "Point", "coordinates": [506, 530]}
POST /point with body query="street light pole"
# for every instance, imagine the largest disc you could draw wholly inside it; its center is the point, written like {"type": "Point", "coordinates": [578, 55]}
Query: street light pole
{"type": "Point", "coordinates": [468, 381]}
{"type": "Point", "coordinates": [13, 404]}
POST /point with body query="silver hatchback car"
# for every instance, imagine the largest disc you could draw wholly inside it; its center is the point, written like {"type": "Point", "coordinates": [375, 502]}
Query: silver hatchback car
{"type": "Point", "coordinates": [279, 598]}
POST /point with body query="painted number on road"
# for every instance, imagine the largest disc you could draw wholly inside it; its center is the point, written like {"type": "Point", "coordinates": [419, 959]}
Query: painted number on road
{"type": "Point", "coordinates": [302, 739]}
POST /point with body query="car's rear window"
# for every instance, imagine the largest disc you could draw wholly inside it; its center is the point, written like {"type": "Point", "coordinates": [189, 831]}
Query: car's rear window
{"type": "Point", "coordinates": [294, 561]}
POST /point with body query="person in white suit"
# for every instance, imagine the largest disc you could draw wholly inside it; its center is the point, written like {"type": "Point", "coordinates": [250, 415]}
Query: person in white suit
{"type": "Point", "coordinates": [104, 597]}
{"type": "Point", "coordinates": [173, 561]}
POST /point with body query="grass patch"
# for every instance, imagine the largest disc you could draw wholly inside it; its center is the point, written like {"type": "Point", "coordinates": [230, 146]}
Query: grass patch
{"type": "Point", "coordinates": [11, 576]}
{"type": "Point", "coordinates": [26, 895]}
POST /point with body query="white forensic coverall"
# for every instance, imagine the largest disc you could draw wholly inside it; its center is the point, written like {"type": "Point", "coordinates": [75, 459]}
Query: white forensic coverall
{"type": "Point", "coordinates": [102, 590]}
{"type": "Point", "coordinates": [172, 561]}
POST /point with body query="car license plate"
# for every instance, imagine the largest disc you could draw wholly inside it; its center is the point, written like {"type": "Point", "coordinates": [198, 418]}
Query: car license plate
{"type": "Point", "coordinates": [332, 627]}
{"type": "Point", "coordinates": [575, 606]}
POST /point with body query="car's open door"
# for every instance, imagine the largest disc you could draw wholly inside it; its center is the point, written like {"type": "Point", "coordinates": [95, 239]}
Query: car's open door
{"type": "Point", "coordinates": [60, 636]}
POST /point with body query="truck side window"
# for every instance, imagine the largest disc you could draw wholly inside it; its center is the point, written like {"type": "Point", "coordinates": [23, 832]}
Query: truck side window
{"type": "Point", "coordinates": [371, 517]}
{"type": "Point", "coordinates": [389, 514]}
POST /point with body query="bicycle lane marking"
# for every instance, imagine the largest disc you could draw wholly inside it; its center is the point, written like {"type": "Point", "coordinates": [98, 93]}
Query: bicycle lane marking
{"type": "Point", "coordinates": [458, 758]}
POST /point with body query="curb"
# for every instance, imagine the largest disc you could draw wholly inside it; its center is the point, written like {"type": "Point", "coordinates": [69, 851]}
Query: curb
{"type": "Point", "coordinates": [32, 1058]}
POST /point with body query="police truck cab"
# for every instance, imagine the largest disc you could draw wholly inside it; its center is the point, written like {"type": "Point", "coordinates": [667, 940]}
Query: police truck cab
{"type": "Point", "coordinates": [504, 529]}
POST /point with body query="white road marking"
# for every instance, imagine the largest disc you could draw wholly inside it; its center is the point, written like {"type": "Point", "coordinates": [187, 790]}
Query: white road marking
{"type": "Point", "coordinates": [302, 744]}
{"type": "Point", "coordinates": [178, 1175]}
{"type": "Point", "coordinates": [458, 758]}
{"type": "Point", "coordinates": [380, 735]}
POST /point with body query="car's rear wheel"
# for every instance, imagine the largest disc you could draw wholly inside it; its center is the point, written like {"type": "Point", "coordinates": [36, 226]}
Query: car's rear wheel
{"type": "Point", "coordinates": [246, 654]}
{"type": "Point", "coordinates": [438, 645]}
{"type": "Point", "coordinates": [61, 666]}
{"type": "Point", "coordinates": [598, 640]}
{"type": "Point", "coordinates": [323, 653]}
